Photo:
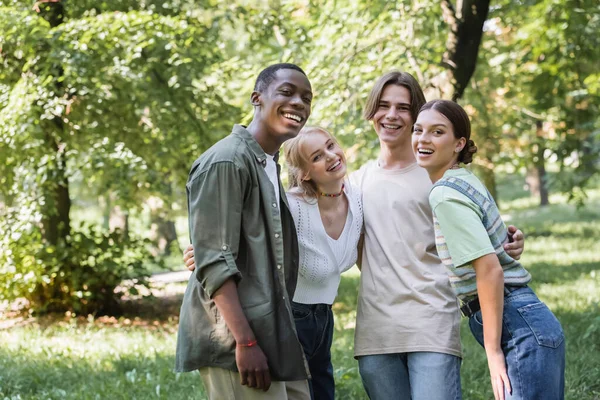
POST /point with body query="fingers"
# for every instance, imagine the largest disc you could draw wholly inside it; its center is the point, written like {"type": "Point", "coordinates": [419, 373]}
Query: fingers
{"type": "Point", "coordinates": [188, 258]}
{"type": "Point", "coordinates": [518, 235]}
{"type": "Point", "coordinates": [517, 242]}
{"type": "Point", "coordinates": [260, 379]}
{"type": "Point", "coordinates": [514, 252]}
{"type": "Point", "coordinates": [506, 382]}
{"type": "Point", "coordinates": [244, 377]}
{"type": "Point", "coordinates": [267, 379]}
{"type": "Point", "coordinates": [191, 263]}
{"type": "Point", "coordinates": [251, 379]}
{"type": "Point", "coordinates": [498, 388]}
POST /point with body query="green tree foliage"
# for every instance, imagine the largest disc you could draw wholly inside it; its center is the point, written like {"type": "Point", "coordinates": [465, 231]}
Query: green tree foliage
{"type": "Point", "coordinates": [534, 94]}
{"type": "Point", "coordinates": [118, 97]}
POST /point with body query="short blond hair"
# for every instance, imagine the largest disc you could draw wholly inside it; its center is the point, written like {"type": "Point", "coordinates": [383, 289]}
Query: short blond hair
{"type": "Point", "coordinates": [297, 161]}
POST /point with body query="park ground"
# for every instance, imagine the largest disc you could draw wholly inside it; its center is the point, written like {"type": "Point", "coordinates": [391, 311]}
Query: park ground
{"type": "Point", "coordinates": [132, 356]}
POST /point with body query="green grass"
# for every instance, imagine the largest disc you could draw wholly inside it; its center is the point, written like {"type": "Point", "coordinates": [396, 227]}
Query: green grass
{"type": "Point", "coordinates": [106, 358]}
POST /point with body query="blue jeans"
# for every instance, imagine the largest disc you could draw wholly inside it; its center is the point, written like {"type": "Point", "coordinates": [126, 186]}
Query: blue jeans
{"type": "Point", "coordinates": [533, 345]}
{"type": "Point", "coordinates": [314, 324]}
{"type": "Point", "coordinates": [416, 376]}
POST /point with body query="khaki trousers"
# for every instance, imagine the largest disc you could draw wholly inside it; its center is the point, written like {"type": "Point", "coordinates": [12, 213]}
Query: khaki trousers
{"type": "Point", "coordinates": [223, 384]}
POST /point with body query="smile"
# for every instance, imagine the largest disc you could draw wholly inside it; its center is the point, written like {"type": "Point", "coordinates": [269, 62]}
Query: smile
{"type": "Point", "coordinates": [335, 165]}
{"type": "Point", "coordinates": [293, 117]}
{"type": "Point", "coordinates": [425, 151]}
{"type": "Point", "coordinates": [390, 126]}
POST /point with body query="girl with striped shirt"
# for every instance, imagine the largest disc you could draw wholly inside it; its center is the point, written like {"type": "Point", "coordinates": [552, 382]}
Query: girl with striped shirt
{"type": "Point", "coordinates": [523, 340]}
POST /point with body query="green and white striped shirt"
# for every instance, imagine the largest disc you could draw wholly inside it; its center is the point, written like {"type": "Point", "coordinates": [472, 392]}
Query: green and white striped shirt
{"type": "Point", "coordinates": [468, 226]}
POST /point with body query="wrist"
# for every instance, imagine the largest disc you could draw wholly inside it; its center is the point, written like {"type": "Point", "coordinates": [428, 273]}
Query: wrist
{"type": "Point", "coordinates": [493, 350]}
{"type": "Point", "coordinates": [247, 343]}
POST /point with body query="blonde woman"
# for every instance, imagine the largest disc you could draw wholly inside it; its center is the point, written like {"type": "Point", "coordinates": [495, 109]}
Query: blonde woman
{"type": "Point", "coordinates": [327, 212]}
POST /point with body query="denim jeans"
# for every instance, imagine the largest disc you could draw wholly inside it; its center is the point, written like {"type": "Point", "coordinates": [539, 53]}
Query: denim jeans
{"type": "Point", "coordinates": [533, 345]}
{"type": "Point", "coordinates": [314, 324]}
{"type": "Point", "coordinates": [416, 376]}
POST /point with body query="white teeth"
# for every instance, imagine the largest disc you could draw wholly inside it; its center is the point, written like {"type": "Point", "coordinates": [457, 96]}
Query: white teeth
{"type": "Point", "coordinates": [334, 165]}
{"type": "Point", "coordinates": [296, 118]}
{"type": "Point", "coordinates": [425, 151]}
{"type": "Point", "coordinates": [386, 126]}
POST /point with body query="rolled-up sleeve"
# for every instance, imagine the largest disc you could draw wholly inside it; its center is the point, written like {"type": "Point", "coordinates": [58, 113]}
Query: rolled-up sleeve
{"type": "Point", "coordinates": [215, 200]}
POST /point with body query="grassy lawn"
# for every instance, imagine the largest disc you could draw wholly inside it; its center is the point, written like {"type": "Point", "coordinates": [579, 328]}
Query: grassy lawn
{"type": "Point", "coordinates": [72, 357]}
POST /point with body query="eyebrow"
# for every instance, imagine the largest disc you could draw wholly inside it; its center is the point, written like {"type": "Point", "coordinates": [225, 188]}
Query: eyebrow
{"type": "Point", "coordinates": [294, 86]}
{"type": "Point", "coordinates": [318, 150]}
{"type": "Point", "coordinates": [388, 102]}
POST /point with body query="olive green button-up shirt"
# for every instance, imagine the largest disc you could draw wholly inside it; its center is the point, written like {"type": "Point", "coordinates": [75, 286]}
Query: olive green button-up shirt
{"type": "Point", "coordinates": [239, 231]}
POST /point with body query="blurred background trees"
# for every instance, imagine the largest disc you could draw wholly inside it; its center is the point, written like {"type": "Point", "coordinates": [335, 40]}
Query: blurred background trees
{"type": "Point", "coordinates": [105, 105]}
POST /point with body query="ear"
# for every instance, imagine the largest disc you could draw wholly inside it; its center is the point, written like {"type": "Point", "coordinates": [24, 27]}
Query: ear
{"type": "Point", "coordinates": [255, 99]}
{"type": "Point", "coordinates": [460, 145]}
{"type": "Point", "coordinates": [306, 177]}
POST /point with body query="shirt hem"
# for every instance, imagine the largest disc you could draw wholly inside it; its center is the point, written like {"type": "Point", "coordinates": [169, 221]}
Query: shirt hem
{"type": "Point", "coordinates": [395, 350]}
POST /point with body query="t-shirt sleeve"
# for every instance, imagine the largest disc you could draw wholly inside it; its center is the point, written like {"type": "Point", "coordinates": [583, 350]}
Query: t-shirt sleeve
{"type": "Point", "coordinates": [460, 222]}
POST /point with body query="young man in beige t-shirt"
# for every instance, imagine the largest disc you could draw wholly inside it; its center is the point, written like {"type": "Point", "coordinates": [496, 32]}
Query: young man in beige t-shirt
{"type": "Point", "coordinates": [407, 338]}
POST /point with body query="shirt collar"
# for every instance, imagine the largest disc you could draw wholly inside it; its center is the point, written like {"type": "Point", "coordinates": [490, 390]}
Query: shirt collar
{"type": "Point", "coordinates": [259, 153]}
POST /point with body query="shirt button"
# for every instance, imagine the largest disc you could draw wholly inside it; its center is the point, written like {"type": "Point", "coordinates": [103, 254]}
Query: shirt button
{"type": "Point", "coordinates": [278, 266]}
{"type": "Point", "coordinates": [274, 205]}
{"type": "Point", "coordinates": [224, 247]}
{"type": "Point", "coordinates": [277, 236]}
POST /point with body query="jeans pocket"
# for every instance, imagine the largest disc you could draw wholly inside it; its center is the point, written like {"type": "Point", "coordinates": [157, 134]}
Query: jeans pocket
{"type": "Point", "coordinates": [300, 311]}
{"type": "Point", "coordinates": [477, 318]}
{"type": "Point", "coordinates": [544, 325]}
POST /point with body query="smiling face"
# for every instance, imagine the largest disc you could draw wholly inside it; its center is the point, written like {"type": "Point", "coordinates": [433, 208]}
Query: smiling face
{"type": "Point", "coordinates": [434, 143]}
{"type": "Point", "coordinates": [324, 160]}
{"type": "Point", "coordinates": [283, 107]}
{"type": "Point", "coordinates": [392, 120]}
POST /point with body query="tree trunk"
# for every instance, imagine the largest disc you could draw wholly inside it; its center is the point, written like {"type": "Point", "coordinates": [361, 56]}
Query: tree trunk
{"type": "Point", "coordinates": [462, 45]}
{"type": "Point", "coordinates": [489, 179]}
{"type": "Point", "coordinates": [167, 235]}
{"type": "Point", "coordinates": [536, 175]}
{"type": "Point", "coordinates": [56, 222]}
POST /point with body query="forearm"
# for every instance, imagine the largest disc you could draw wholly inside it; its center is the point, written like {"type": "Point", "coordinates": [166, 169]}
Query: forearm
{"type": "Point", "coordinates": [227, 301]}
{"type": "Point", "coordinates": [490, 290]}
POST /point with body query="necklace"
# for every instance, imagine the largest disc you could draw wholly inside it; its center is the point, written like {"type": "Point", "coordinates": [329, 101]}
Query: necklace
{"type": "Point", "coordinates": [334, 194]}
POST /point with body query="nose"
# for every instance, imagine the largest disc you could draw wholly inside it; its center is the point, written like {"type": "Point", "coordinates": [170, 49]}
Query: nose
{"type": "Point", "coordinates": [296, 101]}
{"type": "Point", "coordinates": [424, 138]}
{"type": "Point", "coordinates": [392, 113]}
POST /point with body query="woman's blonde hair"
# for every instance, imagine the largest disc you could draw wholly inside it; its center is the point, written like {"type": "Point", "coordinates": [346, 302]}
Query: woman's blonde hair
{"type": "Point", "coordinates": [297, 161]}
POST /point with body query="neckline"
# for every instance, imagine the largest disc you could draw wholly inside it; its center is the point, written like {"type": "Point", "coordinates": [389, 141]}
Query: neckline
{"type": "Point", "coordinates": [395, 171]}
{"type": "Point", "coordinates": [345, 222]}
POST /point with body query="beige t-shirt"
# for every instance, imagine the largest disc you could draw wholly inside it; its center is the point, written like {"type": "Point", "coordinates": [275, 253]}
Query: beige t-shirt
{"type": "Point", "coordinates": [405, 303]}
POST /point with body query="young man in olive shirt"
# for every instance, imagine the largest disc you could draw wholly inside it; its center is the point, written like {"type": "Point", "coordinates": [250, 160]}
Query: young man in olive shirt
{"type": "Point", "coordinates": [236, 313]}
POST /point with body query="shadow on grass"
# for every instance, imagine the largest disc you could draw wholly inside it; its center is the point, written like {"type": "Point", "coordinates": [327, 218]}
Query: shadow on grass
{"type": "Point", "coordinates": [161, 308]}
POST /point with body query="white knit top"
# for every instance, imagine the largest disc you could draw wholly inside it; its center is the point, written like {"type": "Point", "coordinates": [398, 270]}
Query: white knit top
{"type": "Point", "coordinates": [323, 259]}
